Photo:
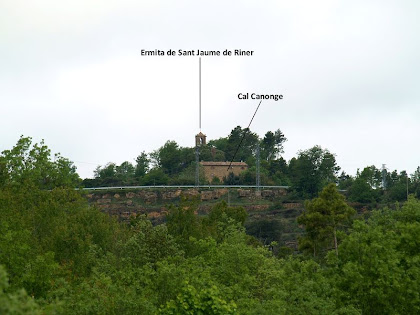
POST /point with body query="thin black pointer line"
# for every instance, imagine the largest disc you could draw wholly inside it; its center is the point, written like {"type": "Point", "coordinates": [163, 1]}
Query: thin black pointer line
{"type": "Point", "coordinates": [243, 137]}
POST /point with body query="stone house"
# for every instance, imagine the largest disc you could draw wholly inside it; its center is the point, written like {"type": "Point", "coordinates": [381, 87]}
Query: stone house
{"type": "Point", "coordinates": [220, 169]}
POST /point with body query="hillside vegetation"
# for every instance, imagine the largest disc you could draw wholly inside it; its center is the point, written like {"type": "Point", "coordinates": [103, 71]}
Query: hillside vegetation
{"type": "Point", "coordinates": [306, 174]}
{"type": "Point", "coordinates": [58, 255]}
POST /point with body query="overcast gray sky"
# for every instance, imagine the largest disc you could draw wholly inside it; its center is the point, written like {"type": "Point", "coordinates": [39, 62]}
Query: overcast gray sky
{"type": "Point", "coordinates": [71, 73]}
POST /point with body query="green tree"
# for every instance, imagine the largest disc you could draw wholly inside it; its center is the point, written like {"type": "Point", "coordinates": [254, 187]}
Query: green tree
{"type": "Point", "coordinates": [106, 175]}
{"type": "Point", "coordinates": [247, 177]}
{"type": "Point", "coordinates": [372, 176]}
{"type": "Point", "coordinates": [125, 173]}
{"type": "Point", "coordinates": [220, 217]}
{"type": "Point", "coordinates": [168, 157]}
{"type": "Point", "coordinates": [345, 181]}
{"type": "Point", "coordinates": [397, 190]}
{"type": "Point", "coordinates": [322, 218]}
{"type": "Point", "coordinates": [277, 166]}
{"type": "Point", "coordinates": [187, 157]}
{"type": "Point", "coordinates": [378, 266]}
{"type": "Point", "coordinates": [142, 165]}
{"type": "Point", "coordinates": [211, 153]}
{"type": "Point", "coordinates": [267, 231]}
{"type": "Point", "coordinates": [220, 144]}
{"type": "Point", "coordinates": [31, 163]}
{"type": "Point", "coordinates": [187, 176]}
{"type": "Point", "coordinates": [183, 223]}
{"type": "Point", "coordinates": [172, 158]}
{"type": "Point", "coordinates": [231, 179]}
{"type": "Point", "coordinates": [360, 191]}
{"type": "Point", "coordinates": [366, 186]}
{"type": "Point", "coordinates": [415, 179]}
{"type": "Point", "coordinates": [311, 170]}
{"type": "Point", "coordinates": [278, 172]}
{"type": "Point", "coordinates": [147, 244]}
{"type": "Point", "coordinates": [245, 149]}
{"type": "Point", "coordinates": [155, 176]}
{"type": "Point", "coordinates": [207, 301]}
{"type": "Point", "coordinates": [272, 145]}
{"type": "Point", "coordinates": [15, 302]}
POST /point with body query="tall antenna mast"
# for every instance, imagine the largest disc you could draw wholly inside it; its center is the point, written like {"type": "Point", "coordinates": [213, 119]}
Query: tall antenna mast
{"type": "Point", "coordinates": [197, 145]}
{"type": "Point", "coordinates": [258, 181]}
{"type": "Point", "coordinates": [197, 166]}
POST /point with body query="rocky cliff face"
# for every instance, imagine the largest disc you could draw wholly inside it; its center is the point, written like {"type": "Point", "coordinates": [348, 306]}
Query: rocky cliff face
{"type": "Point", "coordinates": [268, 205]}
{"type": "Point", "coordinates": [155, 202]}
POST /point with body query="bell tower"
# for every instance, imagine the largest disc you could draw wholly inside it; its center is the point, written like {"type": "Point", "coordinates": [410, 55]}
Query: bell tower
{"type": "Point", "coordinates": [200, 139]}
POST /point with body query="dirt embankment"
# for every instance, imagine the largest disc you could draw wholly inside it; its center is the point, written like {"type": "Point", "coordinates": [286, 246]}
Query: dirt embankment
{"type": "Point", "coordinates": [155, 202]}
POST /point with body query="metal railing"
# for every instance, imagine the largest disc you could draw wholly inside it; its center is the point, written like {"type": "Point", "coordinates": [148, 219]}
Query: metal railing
{"type": "Point", "coordinates": [182, 186]}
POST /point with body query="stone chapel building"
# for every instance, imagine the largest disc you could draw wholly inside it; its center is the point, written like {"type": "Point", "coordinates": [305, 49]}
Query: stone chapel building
{"type": "Point", "coordinates": [218, 169]}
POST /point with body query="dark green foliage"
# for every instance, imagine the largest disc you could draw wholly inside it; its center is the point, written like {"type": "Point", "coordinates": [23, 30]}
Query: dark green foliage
{"type": "Point", "coordinates": [313, 169]}
{"type": "Point", "coordinates": [187, 176]}
{"type": "Point", "coordinates": [345, 181]}
{"type": "Point", "coordinates": [207, 301]}
{"type": "Point", "coordinates": [57, 221]}
{"type": "Point", "coordinates": [15, 302]}
{"type": "Point", "coordinates": [366, 187]}
{"type": "Point", "coordinates": [221, 210]}
{"type": "Point", "coordinates": [378, 266]}
{"type": "Point", "coordinates": [415, 180]}
{"type": "Point", "coordinates": [272, 145]}
{"type": "Point", "coordinates": [322, 218]}
{"type": "Point", "coordinates": [397, 185]}
{"type": "Point", "coordinates": [306, 174]}
{"type": "Point", "coordinates": [248, 177]}
{"type": "Point", "coordinates": [361, 191]}
{"type": "Point", "coordinates": [60, 256]}
{"type": "Point", "coordinates": [278, 165]}
{"type": "Point", "coordinates": [183, 223]}
{"type": "Point", "coordinates": [125, 172]}
{"type": "Point", "coordinates": [28, 163]}
{"type": "Point", "coordinates": [372, 176]}
{"type": "Point", "coordinates": [106, 173]}
{"type": "Point", "coordinates": [155, 177]}
{"type": "Point", "coordinates": [247, 147]}
{"type": "Point", "coordinates": [220, 217]}
{"type": "Point", "coordinates": [147, 244]}
{"type": "Point", "coordinates": [114, 175]}
{"type": "Point", "coordinates": [172, 158]}
{"type": "Point", "coordinates": [210, 153]}
{"type": "Point", "coordinates": [231, 179]}
{"type": "Point", "coordinates": [245, 178]}
{"type": "Point", "coordinates": [267, 231]}
{"type": "Point", "coordinates": [73, 259]}
{"type": "Point", "coordinates": [215, 181]}
{"type": "Point", "coordinates": [220, 144]}
{"type": "Point", "coordinates": [142, 165]}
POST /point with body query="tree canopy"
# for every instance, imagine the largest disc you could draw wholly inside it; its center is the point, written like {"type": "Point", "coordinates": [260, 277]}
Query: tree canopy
{"type": "Point", "coordinates": [322, 218]}
{"type": "Point", "coordinates": [60, 255]}
{"type": "Point", "coordinates": [32, 163]}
